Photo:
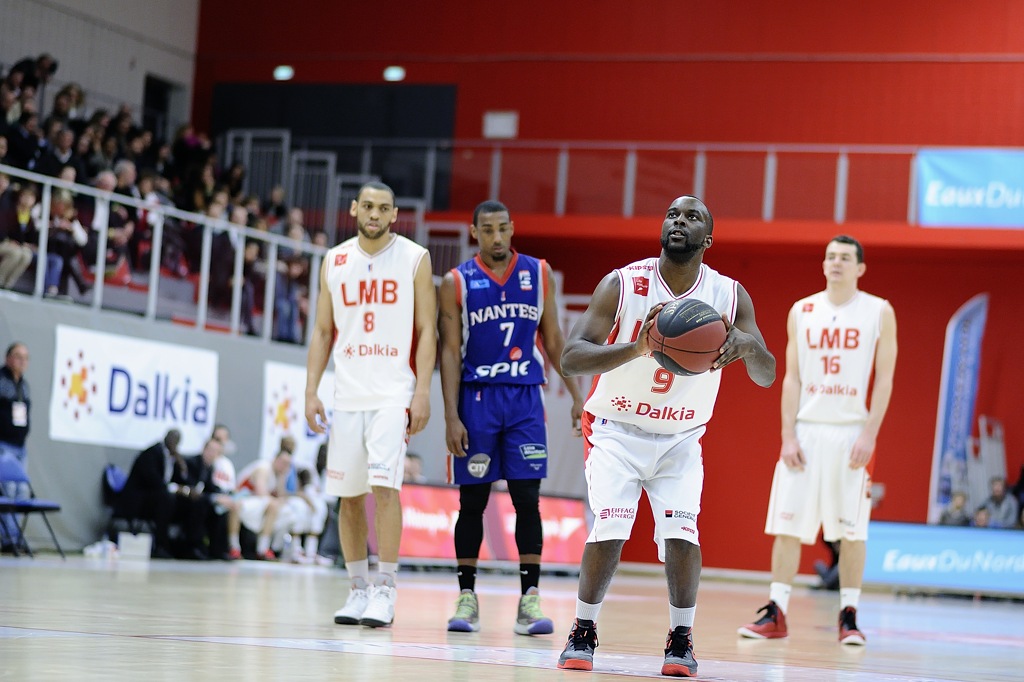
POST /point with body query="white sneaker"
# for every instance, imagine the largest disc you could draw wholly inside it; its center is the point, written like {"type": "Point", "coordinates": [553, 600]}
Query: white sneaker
{"type": "Point", "coordinates": [355, 605]}
{"type": "Point", "coordinates": [381, 610]}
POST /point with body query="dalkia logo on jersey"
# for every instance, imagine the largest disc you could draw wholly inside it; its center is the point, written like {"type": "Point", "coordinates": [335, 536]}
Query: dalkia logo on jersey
{"type": "Point", "coordinates": [661, 413]}
{"type": "Point", "coordinates": [370, 350]}
{"type": "Point", "coordinates": [823, 389]}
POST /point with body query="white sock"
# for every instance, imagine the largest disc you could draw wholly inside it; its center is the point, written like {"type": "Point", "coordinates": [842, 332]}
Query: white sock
{"type": "Point", "coordinates": [585, 611]}
{"type": "Point", "coordinates": [234, 542]}
{"type": "Point", "coordinates": [387, 571]}
{"type": "Point", "coordinates": [679, 616]}
{"type": "Point", "coordinates": [312, 545]}
{"type": "Point", "coordinates": [779, 593]}
{"type": "Point", "coordinates": [359, 572]}
{"type": "Point", "coordinates": [262, 545]}
{"type": "Point", "coordinates": [849, 596]}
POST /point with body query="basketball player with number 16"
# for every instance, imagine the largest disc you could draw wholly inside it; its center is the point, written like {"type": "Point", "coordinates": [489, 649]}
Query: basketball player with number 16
{"type": "Point", "coordinates": [823, 476]}
{"type": "Point", "coordinates": [377, 296]}
{"type": "Point", "coordinates": [643, 423]}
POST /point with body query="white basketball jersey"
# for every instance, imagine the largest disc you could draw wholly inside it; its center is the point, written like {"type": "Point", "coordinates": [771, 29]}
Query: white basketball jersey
{"type": "Point", "coordinates": [836, 350]}
{"type": "Point", "coordinates": [641, 391]}
{"type": "Point", "coordinates": [373, 299]}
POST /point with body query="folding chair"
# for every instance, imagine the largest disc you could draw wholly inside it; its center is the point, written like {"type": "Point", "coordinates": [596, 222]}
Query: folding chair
{"type": "Point", "coordinates": [12, 473]}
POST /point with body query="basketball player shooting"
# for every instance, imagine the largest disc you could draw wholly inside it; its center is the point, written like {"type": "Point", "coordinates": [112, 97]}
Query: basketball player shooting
{"type": "Point", "coordinates": [642, 423]}
{"type": "Point", "coordinates": [377, 295]}
{"type": "Point", "coordinates": [823, 476]}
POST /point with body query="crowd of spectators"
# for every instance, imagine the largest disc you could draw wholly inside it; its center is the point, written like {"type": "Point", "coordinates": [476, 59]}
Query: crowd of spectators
{"type": "Point", "coordinates": [1003, 508]}
{"type": "Point", "coordinates": [112, 151]}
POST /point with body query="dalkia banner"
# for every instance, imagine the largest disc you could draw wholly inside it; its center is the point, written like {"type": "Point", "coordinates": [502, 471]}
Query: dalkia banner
{"type": "Point", "coordinates": [958, 389]}
{"type": "Point", "coordinates": [126, 392]}
{"type": "Point", "coordinates": [970, 188]}
{"type": "Point", "coordinates": [284, 411]}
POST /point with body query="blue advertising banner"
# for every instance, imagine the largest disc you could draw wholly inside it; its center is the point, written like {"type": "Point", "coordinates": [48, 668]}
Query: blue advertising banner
{"type": "Point", "coordinates": [970, 188]}
{"type": "Point", "coordinates": [958, 389]}
{"type": "Point", "coordinates": [945, 557]}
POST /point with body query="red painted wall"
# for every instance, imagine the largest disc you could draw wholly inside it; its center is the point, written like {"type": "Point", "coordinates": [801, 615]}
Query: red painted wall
{"type": "Point", "coordinates": [913, 72]}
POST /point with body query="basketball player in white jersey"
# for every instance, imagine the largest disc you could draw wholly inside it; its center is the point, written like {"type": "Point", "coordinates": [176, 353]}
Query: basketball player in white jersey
{"type": "Point", "coordinates": [823, 476]}
{"type": "Point", "coordinates": [643, 424]}
{"type": "Point", "coordinates": [378, 299]}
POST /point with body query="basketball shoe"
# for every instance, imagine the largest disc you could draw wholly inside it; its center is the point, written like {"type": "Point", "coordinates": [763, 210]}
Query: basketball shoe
{"type": "Point", "coordinates": [380, 611]}
{"type": "Point", "coordinates": [467, 613]}
{"type": "Point", "coordinates": [530, 620]}
{"type": "Point", "coordinates": [770, 626]}
{"type": "Point", "coordinates": [579, 650]}
{"type": "Point", "coordinates": [848, 632]}
{"type": "Point", "coordinates": [679, 660]}
{"type": "Point", "coordinates": [355, 605]}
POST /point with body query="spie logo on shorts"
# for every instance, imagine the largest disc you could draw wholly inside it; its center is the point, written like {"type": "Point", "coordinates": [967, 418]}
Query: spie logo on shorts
{"type": "Point", "coordinates": [478, 465]}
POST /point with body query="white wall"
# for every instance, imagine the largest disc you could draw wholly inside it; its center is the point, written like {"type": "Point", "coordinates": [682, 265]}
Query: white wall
{"type": "Point", "coordinates": [107, 46]}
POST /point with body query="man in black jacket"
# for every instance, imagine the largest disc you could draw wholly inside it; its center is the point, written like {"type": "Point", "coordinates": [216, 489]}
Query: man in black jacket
{"type": "Point", "coordinates": [158, 489]}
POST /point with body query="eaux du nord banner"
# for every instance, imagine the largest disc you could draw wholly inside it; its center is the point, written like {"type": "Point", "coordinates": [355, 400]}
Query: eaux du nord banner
{"type": "Point", "coordinates": [970, 188]}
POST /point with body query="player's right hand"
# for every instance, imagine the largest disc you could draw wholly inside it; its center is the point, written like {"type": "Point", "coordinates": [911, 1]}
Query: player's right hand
{"type": "Point", "coordinates": [457, 437]}
{"type": "Point", "coordinates": [642, 344]}
{"type": "Point", "coordinates": [791, 455]}
{"type": "Point", "coordinates": [314, 409]}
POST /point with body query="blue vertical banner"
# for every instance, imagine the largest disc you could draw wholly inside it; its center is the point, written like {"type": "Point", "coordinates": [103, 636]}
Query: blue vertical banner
{"type": "Point", "coordinates": [958, 390]}
{"type": "Point", "coordinates": [970, 188]}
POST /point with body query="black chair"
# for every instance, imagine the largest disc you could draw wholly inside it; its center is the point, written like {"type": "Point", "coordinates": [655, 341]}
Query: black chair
{"type": "Point", "coordinates": [13, 474]}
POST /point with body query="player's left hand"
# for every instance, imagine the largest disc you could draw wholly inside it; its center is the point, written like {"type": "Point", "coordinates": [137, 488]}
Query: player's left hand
{"type": "Point", "coordinates": [419, 413]}
{"type": "Point", "coordinates": [735, 346]}
{"type": "Point", "coordinates": [863, 449]}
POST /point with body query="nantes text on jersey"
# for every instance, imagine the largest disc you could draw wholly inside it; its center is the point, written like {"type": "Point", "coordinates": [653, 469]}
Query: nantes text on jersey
{"type": "Point", "coordinates": [836, 350]}
{"type": "Point", "coordinates": [500, 320]}
{"type": "Point", "coordinates": [641, 391]}
{"type": "Point", "coordinates": [373, 298]}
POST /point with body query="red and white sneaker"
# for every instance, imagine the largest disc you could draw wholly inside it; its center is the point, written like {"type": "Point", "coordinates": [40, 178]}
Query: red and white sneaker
{"type": "Point", "coordinates": [234, 554]}
{"type": "Point", "coordinates": [848, 632]}
{"type": "Point", "coordinates": [770, 626]}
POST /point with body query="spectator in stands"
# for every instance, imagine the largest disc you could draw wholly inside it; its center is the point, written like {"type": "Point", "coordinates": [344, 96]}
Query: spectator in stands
{"type": "Point", "coordinates": [1002, 508]}
{"type": "Point", "coordinates": [1018, 488]}
{"type": "Point", "coordinates": [23, 142]}
{"type": "Point", "coordinates": [157, 489]}
{"type": "Point", "coordinates": [956, 513]}
{"type": "Point", "coordinates": [234, 179]}
{"type": "Point", "coordinates": [76, 110]}
{"type": "Point", "coordinates": [10, 110]}
{"type": "Point", "coordinates": [36, 72]}
{"type": "Point", "coordinates": [981, 518]}
{"type": "Point", "coordinates": [3, 149]}
{"type": "Point", "coordinates": [275, 209]}
{"type": "Point", "coordinates": [60, 112]}
{"type": "Point", "coordinates": [67, 237]}
{"type": "Point", "coordinates": [116, 220]}
{"type": "Point", "coordinates": [61, 153]}
{"type": "Point", "coordinates": [15, 226]}
{"type": "Point", "coordinates": [291, 300]}
{"type": "Point", "coordinates": [104, 154]}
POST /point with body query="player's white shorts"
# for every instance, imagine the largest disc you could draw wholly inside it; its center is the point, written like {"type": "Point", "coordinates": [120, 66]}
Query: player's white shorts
{"type": "Point", "coordinates": [252, 509]}
{"type": "Point", "coordinates": [366, 449]}
{"type": "Point", "coordinates": [827, 493]}
{"type": "Point", "coordinates": [622, 459]}
{"type": "Point", "coordinates": [304, 518]}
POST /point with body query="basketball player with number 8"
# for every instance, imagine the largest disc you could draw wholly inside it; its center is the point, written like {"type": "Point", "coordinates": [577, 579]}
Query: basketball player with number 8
{"type": "Point", "coordinates": [377, 295]}
{"type": "Point", "coordinates": [643, 423]}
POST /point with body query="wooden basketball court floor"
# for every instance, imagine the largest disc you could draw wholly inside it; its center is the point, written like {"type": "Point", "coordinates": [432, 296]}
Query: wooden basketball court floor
{"type": "Point", "coordinates": [91, 619]}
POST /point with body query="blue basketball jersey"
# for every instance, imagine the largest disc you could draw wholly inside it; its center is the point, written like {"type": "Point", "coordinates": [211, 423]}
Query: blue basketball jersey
{"type": "Point", "coordinates": [500, 320]}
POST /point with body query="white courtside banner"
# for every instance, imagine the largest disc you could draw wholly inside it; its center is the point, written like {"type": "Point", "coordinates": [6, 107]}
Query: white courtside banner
{"type": "Point", "coordinates": [127, 392]}
{"type": "Point", "coordinates": [284, 411]}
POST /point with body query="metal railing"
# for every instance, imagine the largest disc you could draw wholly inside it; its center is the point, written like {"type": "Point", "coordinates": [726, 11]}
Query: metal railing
{"type": "Point", "coordinates": [754, 181]}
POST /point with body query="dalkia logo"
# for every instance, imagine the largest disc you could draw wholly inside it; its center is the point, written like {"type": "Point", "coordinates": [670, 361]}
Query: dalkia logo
{"type": "Point", "coordinates": [164, 397]}
{"type": "Point", "coordinates": [79, 383]}
{"type": "Point", "coordinates": [282, 409]}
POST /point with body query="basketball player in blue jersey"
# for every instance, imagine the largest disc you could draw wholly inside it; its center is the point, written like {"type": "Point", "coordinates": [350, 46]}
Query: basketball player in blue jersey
{"type": "Point", "coordinates": [495, 310]}
{"type": "Point", "coordinates": [629, 446]}
{"type": "Point", "coordinates": [838, 339]}
{"type": "Point", "coordinates": [377, 310]}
